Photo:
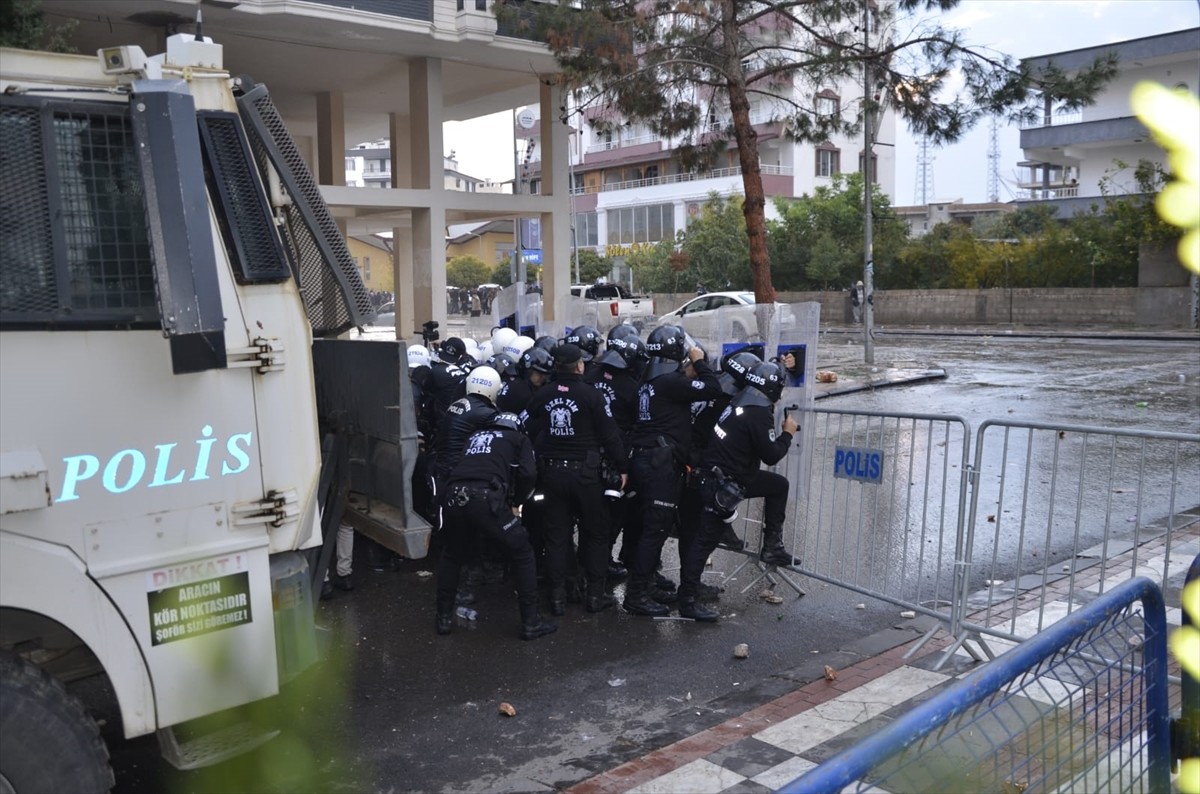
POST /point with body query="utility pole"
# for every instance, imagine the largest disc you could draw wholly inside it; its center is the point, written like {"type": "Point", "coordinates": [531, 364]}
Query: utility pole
{"type": "Point", "coordinates": [868, 241]}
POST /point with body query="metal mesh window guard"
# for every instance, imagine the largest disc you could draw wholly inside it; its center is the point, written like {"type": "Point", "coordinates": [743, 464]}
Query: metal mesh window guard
{"type": "Point", "coordinates": [89, 259]}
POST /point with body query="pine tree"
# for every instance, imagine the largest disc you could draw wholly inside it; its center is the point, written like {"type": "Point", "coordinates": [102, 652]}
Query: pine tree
{"type": "Point", "coordinates": [682, 67]}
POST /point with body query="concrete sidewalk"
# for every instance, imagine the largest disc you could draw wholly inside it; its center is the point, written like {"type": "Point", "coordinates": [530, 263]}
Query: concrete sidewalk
{"type": "Point", "coordinates": [769, 746]}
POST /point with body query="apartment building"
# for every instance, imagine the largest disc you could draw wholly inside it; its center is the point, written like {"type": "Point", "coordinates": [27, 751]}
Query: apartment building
{"type": "Point", "coordinates": [1068, 155]}
{"type": "Point", "coordinates": [628, 189]}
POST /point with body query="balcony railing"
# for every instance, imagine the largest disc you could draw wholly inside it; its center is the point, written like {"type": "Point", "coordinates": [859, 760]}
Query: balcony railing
{"type": "Point", "coordinates": [1050, 193]}
{"type": "Point", "coordinates": [669, 179]}
{"type": "Point", "coordinates": [1054, 120]}
{"type": "Point", "coordinates": [606, 146]}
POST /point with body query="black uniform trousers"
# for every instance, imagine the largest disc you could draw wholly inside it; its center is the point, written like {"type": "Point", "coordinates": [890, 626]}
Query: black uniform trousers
{"type": "Point", "coordinates": [485, 516]}
{"type": "Point", "coordinates": [772, 487]}
{"type": "Point", "coordinates": [573, 491]}
{"type": "Point", "coordinates": [658, 480]}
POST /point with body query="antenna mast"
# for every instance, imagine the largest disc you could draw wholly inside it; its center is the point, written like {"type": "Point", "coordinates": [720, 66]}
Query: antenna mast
{"type": "Point", "coordinates": [993, 175]}
{"type": "Point", "coordinates": [923, 191]}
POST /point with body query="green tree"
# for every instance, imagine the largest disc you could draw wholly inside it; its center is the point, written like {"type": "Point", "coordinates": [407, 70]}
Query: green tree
{"type": "Point", "coordinates": [715, 247]}
{"type": "Point", "coordinates": [23, 26]}
{"type": "Point", "coordinates": [501, 274]}
{"type": "Point", "coordinates": [467, 271]}
{"type": "Point", "coordinates": [681, 67]}
{"type": "Point", "coordinates": [592, 266]}
{"type": "Point", "coordinates": [835, 212]}
{"type": "Point", "coordinates": [659, 268]}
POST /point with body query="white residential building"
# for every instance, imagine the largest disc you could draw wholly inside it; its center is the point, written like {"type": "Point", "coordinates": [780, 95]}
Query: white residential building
{"type": "Point", "coordinates": [1067, 155]}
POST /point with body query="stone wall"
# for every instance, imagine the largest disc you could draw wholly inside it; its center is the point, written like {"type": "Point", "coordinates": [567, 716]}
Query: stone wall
{"type": "Point", "coordinates": [1141, 306]}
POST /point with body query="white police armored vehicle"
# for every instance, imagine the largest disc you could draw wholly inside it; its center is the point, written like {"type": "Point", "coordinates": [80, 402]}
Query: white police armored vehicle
{"type": "Point", "coordinates": [179, 423]}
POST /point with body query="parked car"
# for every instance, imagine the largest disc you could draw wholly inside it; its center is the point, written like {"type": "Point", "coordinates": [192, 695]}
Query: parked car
{"type": "Point", "coordinates": [386, 316]}
{"type": "Point", "coordinates": [699, 316]}
{"type": "Point", "coordinates": [612, 304]}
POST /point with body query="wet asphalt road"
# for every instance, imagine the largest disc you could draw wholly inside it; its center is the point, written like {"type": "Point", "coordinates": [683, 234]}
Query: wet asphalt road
{"type": "Point", "coordinates": [400, 709]}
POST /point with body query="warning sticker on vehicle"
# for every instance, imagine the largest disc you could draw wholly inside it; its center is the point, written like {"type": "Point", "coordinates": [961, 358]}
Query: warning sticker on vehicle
{"type": "Point", "coordinates": [196, 608]}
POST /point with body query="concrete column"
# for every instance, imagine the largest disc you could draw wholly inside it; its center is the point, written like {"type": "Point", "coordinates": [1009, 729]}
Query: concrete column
{"type": "Point", "coordinates": [426, 149]}
{"type": "Point", "coordinates": [400, 131]}
{"type": "Point", "coordinates": [556, 226]}
{"type": "Point", "coordinates": [331, 138]}
{"type": "Point", "coordinates": [402, 267]}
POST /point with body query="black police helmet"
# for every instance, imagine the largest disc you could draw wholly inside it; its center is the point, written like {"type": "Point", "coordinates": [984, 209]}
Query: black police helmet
{"type": "Point", "coordinates": [503, 364]}
{"type": "Point", "coordinates": [546, 343]}
{"type": "Point", "coordinates": [666, 341]}
{"type": "Point", "coordinates": [738, 364]}
{"type": "Point", "coordinates": [622, 331]}
{"type": "Point", "coordinates": [535, 359]}
{"type": "Point", "coordinates": [586, 338]}
{"type": "Point", "coordinates": [507, 420]}
{"type": "Point", "coordinates": [623, 353]}
{"type": "Point", "coordinates": [767, 379]}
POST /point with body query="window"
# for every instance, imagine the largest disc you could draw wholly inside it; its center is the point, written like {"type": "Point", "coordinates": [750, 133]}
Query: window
{"type": "Point", "coordinates": [535, 187]}
{"type": "Point", "coordinates": [349, 163]}
{"type": "Point", "coordinates": [586, 232]}
{"type": "Point", "coordinates": [651, 172]}
{"type": "Point", "coordinates": [828, 161]}
{"type": "Point", "coordinates": [648, 224]}
{"type": "Point", "coordinates": [828, 103]}
{"type": "Point", "coordinates": [89, 257]}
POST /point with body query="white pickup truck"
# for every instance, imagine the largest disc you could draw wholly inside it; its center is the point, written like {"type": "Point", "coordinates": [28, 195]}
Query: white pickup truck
{"type": "Point", "coordinates": [606, 305]}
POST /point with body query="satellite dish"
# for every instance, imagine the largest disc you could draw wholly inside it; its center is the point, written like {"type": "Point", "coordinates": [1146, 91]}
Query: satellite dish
{"type": "Point", "coordinates": [525, 119]}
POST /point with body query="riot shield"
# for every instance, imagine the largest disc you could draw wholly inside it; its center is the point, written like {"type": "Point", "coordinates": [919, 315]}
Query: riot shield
{"type": "Point", "coordinates": [569, 312]}
{"type": "Point", "coordinates": [785, 334]}
{"type": "Point", "coordinates": [513, 308]}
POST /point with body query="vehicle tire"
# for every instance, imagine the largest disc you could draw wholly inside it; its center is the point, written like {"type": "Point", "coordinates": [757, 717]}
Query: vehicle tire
{"type": "Point", "coordinates": [48, 742]}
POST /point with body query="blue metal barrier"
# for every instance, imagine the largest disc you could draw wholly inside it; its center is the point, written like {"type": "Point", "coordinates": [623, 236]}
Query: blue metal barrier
{"type": "Point", "coordinates": [1080, 707]}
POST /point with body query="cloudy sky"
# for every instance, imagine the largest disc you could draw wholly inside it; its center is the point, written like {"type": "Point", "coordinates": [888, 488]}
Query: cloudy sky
{"type": "Point", "coordinates": [1020, 28]}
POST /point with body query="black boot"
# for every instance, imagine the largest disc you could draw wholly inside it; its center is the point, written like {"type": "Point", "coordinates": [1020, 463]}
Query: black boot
{"type": "Point", "coordinates": [638, 600]}
{"type": "Point", "coordinates": [709, 592]}
{"type": "Point", "coordinates": [558, 601]}
{"type": "Point", "coordinates": [664, 596]}
{"type": "Point", "coordinates": [689, 607]}
{"type": "Point", "coordinates": [773, 552]}
{"type": "Point", "coordinates": [730, 540]}
{"type": "Point", "coordinates": [533, 625]}
{"type": "Point", "coordinates": [444, 622]}
{"type": "Point", "coordinates": [663, 583]}
{"type": "Point", "coordinates": [597, 599]}
{"type": "Point", "coordinates": [616, 570]}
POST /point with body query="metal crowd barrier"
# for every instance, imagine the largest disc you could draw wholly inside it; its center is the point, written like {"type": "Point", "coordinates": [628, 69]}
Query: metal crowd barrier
{"type": "Point", "coordinates": [882, 507]}
{"type": "Point", "coordinates": [1051, 503]}
{"type": "Point", "coordinates": [997, 539]}
{"type": "Point", "coordinates": [1082, 707]}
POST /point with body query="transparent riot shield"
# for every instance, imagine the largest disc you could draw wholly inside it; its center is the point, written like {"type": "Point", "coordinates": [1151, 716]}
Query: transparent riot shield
{"type": "Point", "coordinates": [785, 334]}
{"type": "Point", "coordinates": [570, 312]}
{"type": "Point", "coordinates": [513, 308]}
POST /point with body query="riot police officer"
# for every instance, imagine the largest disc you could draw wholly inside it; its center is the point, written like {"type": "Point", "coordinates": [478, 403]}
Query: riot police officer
{"type": "Point", "coordinates": [496, 473]}
{"type": "Point", "coordinates": [587, 339]}
{"type": "Point", "coordinates": [570, 424]}
{"type": "Point", "coordinates": [675, 378]}
{"type": "Point", "coordinates": [744, 438]}
{"type": "Point", "coordinates": [463, 417]}
{"type": "Point", "coordinates": [534, 369]}
{"type": "Point", "coordinates": [447, 379]}
{"type": "Point", "coordinates": [613, 376]}
{"type": "Point", "coordinates": [418, 377]}
{"type": "Point", "coordinates": [733, 379]}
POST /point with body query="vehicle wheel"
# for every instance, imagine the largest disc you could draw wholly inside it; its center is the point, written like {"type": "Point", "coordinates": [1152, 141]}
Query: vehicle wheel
{"type": "Point", "coordinates": [739, 332]}
{"type": "Point", "coordinates": [47, 741]}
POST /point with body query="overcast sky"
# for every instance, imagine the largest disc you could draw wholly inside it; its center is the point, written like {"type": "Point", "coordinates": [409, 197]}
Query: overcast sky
{"type": "Point", "coordinates": [1020, 28]}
